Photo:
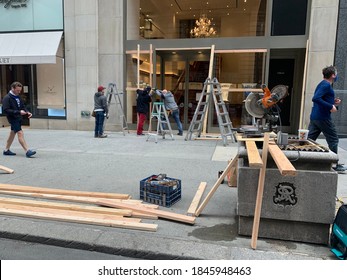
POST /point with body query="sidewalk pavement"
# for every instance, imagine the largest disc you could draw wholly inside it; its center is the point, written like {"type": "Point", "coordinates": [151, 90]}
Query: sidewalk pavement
{"type": "Point", "coordinates": [76, 160]}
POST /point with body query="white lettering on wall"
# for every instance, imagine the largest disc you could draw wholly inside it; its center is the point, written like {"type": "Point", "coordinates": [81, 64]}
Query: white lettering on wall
{"type": "Point", "coordinates": [5, 60]}
{"type": "Point", "coordinates": [14, 3]}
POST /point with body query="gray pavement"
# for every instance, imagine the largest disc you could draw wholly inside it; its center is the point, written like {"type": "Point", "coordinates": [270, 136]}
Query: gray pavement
{"type": "Point", "coordinates": [77, 161]}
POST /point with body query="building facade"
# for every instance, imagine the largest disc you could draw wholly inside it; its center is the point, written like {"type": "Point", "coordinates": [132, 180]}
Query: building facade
{"type": "Point", "coordinates": [168, 44]}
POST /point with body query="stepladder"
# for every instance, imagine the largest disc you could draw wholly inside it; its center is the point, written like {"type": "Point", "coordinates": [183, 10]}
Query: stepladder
{"type": "Point", "coordinates": [211, 90]}
{"type": "Point", "coordinates": [113, 91]}
{"type": "Point", "coordinates": [163, 124]}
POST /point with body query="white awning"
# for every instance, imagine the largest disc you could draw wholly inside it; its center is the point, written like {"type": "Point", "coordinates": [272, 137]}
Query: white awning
{"type": "Point", "coordinates": [29, 47]}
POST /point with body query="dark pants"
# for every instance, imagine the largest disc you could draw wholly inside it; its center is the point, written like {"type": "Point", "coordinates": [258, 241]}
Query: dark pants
{"type": "Point", "coordinates": [329, 131]}
{"type": "Point", "coordinates": [99, 123]}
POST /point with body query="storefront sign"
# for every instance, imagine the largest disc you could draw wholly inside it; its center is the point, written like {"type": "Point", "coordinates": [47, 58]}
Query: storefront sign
{"type": "Point", "coordinates": [5, 60]}
{"type": "Point", "coordinates": [14, 3]}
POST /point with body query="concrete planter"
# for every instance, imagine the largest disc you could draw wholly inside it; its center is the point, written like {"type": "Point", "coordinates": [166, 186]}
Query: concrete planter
{"type": "Point", "coordinates": [299, 208]}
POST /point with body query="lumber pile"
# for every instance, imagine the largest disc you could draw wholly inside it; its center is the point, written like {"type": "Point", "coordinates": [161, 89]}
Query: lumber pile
{"type": "Point", "coordinates": [94, 208]}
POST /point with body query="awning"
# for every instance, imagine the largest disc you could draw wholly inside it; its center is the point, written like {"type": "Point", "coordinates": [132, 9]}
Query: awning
{"type": "Point", "coordinates": [29, 47]}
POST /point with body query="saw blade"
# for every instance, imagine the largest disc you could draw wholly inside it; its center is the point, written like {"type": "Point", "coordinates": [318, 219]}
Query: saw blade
{"type": "Point", "coordinates": [253, 106]}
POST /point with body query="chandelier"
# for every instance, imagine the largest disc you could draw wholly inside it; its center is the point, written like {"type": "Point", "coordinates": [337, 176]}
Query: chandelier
{"type": "Point", "coordinates": [202, 28]}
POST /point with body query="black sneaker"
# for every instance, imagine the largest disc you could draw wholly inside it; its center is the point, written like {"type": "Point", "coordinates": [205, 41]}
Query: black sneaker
{"type": "Point", "coordinates": [180, 133]}
{"type": "Point", "coordinates": [8, 153]}
{"type": "Point", "coordinates": [340, 168]}
{"type": "Point", "coordinates": [30, 153]}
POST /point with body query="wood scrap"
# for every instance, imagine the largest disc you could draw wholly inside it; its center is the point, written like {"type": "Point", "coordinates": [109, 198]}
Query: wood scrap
{"type": "Point", "coordinates": [232, 175]}
{"type": "Point", "coordinates": [6, 169]}
{"type": "Point", "coordinates": [196, 200]}
{"type": "Point", "coordinates": [216, 185]}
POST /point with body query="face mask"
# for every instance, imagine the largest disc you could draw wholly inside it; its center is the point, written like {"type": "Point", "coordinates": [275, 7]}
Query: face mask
{"type": "Point", "coordinates": [335, 79]}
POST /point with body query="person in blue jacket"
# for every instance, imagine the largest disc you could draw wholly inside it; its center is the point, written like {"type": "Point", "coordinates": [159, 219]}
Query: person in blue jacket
{"type": "Point", "coordinates": [325, 103]}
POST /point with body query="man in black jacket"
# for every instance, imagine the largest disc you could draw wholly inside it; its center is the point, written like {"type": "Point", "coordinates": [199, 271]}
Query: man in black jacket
{"type": "Point", "coordinates": [142, 107]}
{"type": "Point", "coordinates": [14, 109]}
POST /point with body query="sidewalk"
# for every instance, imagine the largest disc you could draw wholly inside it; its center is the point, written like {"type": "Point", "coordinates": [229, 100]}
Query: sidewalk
{"type": "Point", "coordinates": [77, 161]}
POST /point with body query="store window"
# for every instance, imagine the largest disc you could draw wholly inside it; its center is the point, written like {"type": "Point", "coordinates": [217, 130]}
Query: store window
{"type": "Point", "coordinates": [167, 19]}
{"type": "Point", "coordinates": [289, 17]}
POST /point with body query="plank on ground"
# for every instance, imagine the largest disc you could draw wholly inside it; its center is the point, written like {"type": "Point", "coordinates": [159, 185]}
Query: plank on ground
{"type": "Point", "coordinates": [67, 206]}
{"type": "Point", "coordinates": [88, 200]}
{"type": "Point", "coordinates": [216, 185]}
{"type": "Point", "coordinates": [81, 220]}
{"type": "Point", "coordinates": [196, 200]}
{"type": "Point", "coordinates": [6, 169]}
{"type": "Point", "coordinates": [69, 213]}
{"type": "Point", "coordinates": [160, 213]}
{"type": "Point", "coordinates": [18, 188]}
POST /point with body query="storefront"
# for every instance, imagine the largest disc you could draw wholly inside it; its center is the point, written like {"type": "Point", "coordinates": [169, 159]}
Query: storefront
{"type": "Point", "coordinates": [251, 42]}
{"type": "Point", "coordinates": [83, 44]}
{"type": "Point", "coordinates": [31, 51]}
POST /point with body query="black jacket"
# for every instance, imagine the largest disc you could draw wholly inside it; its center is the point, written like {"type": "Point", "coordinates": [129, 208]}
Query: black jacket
{"type": "Point", "coordinates": [11, 108]}
{"type": "Point", "coordinates": [142, 101]}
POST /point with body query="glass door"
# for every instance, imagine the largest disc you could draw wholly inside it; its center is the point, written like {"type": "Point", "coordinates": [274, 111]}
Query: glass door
{"type": "Point", "coordinates": [184, 72]}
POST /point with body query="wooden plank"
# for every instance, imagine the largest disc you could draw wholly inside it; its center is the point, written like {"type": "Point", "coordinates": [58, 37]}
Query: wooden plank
{"type": "Point", "coordinates": [160, 213]}
{"type": "Point", "coordinates": [18, 188]}
{"type": "Point", "coordinates": [196, 200]}
{"type": "Point", "coordinates": [254, 159]}
{"type": "Point", "coordinates": [63, 212]}
{"type": "Point", "coordinates": [232, 175]}
{"type": "Point", "coordinates": [67, 206]}
{"type": "Point", "coordinates": [284, 165]}
{"type": "Point", "coordinates": [215, 186]}
{"type": "Point", "coordinates": [90, 200]}
{"type": "Point", "coordinates": [259, 199]}
{"type": "Point", "coordinates": [81, 220]}
{"type": "Point", "coordinates": [6, 169]}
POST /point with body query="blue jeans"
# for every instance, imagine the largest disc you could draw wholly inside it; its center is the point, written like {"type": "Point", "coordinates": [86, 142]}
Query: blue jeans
{"type": "Point", "coordinates": [329, 131]}
{"type": "Point", "coordinates": [176, 116]}
{"type": "Point", "coordinates": [99, 123]}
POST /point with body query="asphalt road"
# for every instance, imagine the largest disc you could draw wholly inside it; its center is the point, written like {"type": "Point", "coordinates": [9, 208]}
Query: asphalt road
{"type": "Point", "coordinates": [20, 250]}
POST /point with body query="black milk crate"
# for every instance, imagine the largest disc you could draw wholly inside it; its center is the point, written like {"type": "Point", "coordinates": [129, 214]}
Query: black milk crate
{"type": "Point", "coordinates": [162, 195]}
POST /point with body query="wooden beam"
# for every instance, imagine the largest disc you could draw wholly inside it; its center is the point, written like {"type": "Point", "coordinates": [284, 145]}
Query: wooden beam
{"type": "Point", "coordinates": [70, 213]}
{"type": "Point", "coordinates": [196, 200]}
{"type": "Point", "coordinates": [259, 199]}
{"type": "Point", "coordinates": [284, 165]}
{"type": "Point", "coordinates": [232, 175]}
{"type": "Point", "coordinates": [66, 206]}
{"type": "Point", "coordinates": [216, 185]}
{"type": "Point", "coordinates": [254, 159]}
{"type": "Point", "coordinates": [90, 200]}
{"type": "Point", "coordinates": [6, 169]}
{"type": "Point", "coordinates": [160, 213]}
{"type": "Point", "coordinates": [81, 220]}
{"type": "Point", "coordinates": [18, 188]}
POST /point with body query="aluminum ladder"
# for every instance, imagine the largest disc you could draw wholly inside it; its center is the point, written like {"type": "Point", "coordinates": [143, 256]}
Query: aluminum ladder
{"type": "Point", "coordinates": [159, 112]}
{"type": "Point", "coordinates": [113, 91]}
{"type": "Point", "coordinates": [211, 87]}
